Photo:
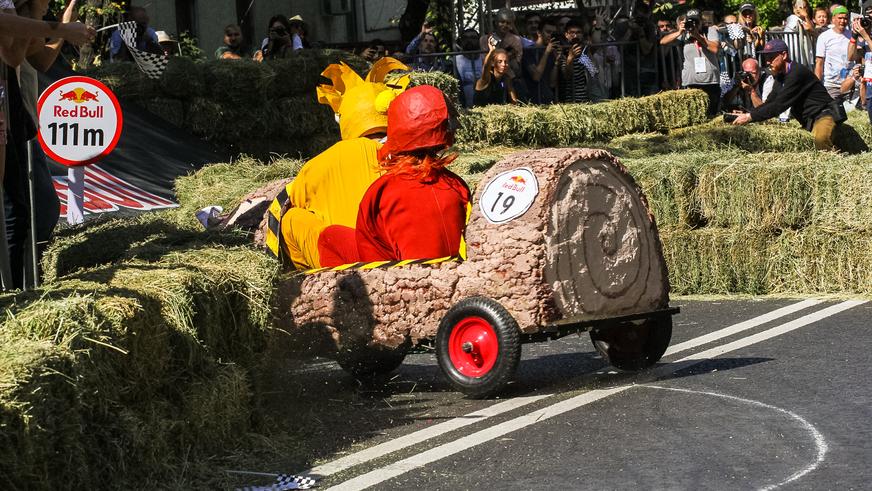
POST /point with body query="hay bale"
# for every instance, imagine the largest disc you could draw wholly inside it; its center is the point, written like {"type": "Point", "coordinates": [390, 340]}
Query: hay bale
{"type": "Point", "coordinates": [184, 78]}
{"type": "Point", "coordinates": [228, 123]}
{"type": "Point", "coordinates": [822, 260]}
{"type": "Point", "coordinates": [717, 260]}
{"type": "Point", "coordinates": [295, 76]}
{"type": "Point", "coordinates": [141, 341]}
{"type": "Point", "coordinates": [126, 80]}
{"type": "Point", "coordinates": [237, 84]}
{"type": "Point", "coordinates": [38, 416]}
{"type": "Point", "coordinates": [170, 110]}
{"type": "Point", "coordinates": [576, 124]}
{"type": "Point", "coordinates": [448, 84]}
{"type": "Point", "coordinates": [758, 261]}
{"type": "Point", "coordinates": [303, 116]}
{"type": "Point", "coordinates": [227, 184]}
{"type": "Point", "coordinates": [670, 184]}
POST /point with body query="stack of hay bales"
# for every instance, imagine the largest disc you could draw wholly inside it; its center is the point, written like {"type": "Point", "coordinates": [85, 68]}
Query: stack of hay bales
{"type": "Point", "coordinates": [793, 221]}
{"type": "Point", "coordinates": [250, 108]}
{"type": "Point", "coordinates": [130, 372]}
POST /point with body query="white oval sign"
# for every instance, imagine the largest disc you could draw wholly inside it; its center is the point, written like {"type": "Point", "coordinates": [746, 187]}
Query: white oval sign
{"type": "Point", "coordinates": [509, 195]}
{"type": "Point", "coordinates": [79, 121]}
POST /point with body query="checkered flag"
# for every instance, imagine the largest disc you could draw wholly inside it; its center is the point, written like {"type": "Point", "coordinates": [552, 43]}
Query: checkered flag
{"type": "Point", "coordinates": [284, 482]}
{"type": "Point", "coordinates": [151, 64]}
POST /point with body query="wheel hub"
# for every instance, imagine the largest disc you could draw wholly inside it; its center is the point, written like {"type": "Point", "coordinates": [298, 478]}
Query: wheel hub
{"type": "Point", "coordinates": [473, 347]}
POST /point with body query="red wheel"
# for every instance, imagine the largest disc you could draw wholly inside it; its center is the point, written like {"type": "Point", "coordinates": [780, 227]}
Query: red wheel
{"type": "Point", "coordinates": [473, 347]}
{"type": "Point", "coordinates": [478, 346]}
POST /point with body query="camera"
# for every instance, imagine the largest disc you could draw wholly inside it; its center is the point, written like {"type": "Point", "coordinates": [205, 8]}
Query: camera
{"type": "Point", "coordinates": [746, 77]}
{"type": "Point", "coordinates": [691, 24]}
{"type": "Point", "coordinates": [866, 22]}
{"type": "Point", "coordinates": [493, 41]}
{"type": "Point", "coordinates": [729, 117]}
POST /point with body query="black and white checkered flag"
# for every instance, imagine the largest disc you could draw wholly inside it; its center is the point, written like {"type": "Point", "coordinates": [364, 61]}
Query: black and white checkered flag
{"type": "Point", "coordinates": [284, 482]}
{"type": "Point", "coordinates": [153, 65]}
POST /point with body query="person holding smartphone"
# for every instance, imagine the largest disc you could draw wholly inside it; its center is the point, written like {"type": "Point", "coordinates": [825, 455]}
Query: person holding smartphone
{"type": "Point", "coordinates": [495, 85]}
{"type": "Point", "coordinates": [540, 65]}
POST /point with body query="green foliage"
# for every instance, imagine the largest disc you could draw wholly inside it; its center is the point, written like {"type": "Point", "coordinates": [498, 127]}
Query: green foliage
{"type": "Point", "coordinates": [190, 47]}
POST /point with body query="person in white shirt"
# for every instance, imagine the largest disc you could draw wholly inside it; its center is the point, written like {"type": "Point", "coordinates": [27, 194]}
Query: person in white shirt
{"type": "Point", "coordinates": [831, 53]}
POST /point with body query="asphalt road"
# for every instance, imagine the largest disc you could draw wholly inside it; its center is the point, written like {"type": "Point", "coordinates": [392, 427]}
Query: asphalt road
{"type": "Point", "coordinates": [739, 402]}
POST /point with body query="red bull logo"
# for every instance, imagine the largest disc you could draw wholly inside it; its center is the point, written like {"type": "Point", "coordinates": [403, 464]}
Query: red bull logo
{"type": "Point", "coordinates": [78, 95]}
{"type": "Point", "coordinates": [515, 183]}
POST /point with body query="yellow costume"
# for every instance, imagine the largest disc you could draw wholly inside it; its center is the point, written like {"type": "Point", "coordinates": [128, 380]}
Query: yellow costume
{"type": "Point", "coordinates": [328, 189]}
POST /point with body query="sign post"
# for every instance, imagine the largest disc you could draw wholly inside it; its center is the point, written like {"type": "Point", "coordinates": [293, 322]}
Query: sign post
{"type": "Point", "coordinates": [80, 122]}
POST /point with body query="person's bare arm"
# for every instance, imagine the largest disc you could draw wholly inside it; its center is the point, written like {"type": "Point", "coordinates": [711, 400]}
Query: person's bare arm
{"type": "Point", "coordinates": [45, 54]}
{"type": "Point", "coordinates": [819, 68]}
{"type": "Point", "coordinates": [20, 27]}
{"type": "Point", "coordinates": [486, 74]}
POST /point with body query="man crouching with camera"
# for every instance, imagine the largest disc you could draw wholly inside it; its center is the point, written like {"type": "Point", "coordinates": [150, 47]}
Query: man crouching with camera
{"type": "Point", "coordinates": [798, 89]}
{"type": "Point", "coordinates": [750, 87]}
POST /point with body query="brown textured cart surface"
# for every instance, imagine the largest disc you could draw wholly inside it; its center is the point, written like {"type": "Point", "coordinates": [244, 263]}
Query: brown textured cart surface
{"type": "Point", "coordinates": [587, 248]}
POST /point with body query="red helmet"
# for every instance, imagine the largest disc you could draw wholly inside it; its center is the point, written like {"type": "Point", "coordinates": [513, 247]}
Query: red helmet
{"type": "Point", "coordinates": [419, 119]}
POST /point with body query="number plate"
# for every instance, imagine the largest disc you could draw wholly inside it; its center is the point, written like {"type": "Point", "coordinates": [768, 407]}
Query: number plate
{"type": "Point", "coordinates": [509, 195]}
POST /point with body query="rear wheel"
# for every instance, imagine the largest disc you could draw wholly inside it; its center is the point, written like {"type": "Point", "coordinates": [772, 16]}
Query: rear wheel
{"type": "Point", "coordinates": [478, 346]}
{"type": "Point", "coordinates": [635, 345]}
{"type": "Point", "coordinates": [366, 362]}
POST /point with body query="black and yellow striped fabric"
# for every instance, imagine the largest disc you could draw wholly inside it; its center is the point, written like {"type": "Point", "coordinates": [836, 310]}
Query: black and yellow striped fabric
{"type": "Point", "coordinates": [274, 238]}
{"type": "Point", "coordinates": [384, 264]}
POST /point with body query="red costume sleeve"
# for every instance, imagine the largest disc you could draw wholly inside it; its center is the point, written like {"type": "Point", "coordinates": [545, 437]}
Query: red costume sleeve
{"type": "Point", "coordinates": [402, 218]}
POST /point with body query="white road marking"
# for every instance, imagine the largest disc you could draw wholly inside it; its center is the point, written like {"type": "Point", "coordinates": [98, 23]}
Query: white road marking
{"type": "Point", "coordinates": [390, 471]}
{"type": "Point", "coordinates": [742, 326]}
{"type": "Point", "coordinates": [419, 436]}
{"type": "Point", "coordinates": [419, 460]}
{"type": "Point", "coordinates": [819, 440]}
{"type": "Point", "coordinates": [378, 451]}
{"type": "Point", "coordinates": [761, 336]}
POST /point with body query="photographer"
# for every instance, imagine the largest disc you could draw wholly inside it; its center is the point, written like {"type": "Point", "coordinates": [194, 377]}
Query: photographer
{"type": "Point", "coordinates": [576, 70]}
{"type": "Point", "coordinates": [701, 69]}
{"type": "Point", "coordinates": [540, 65]}
{"type": "Point", "coordinates": [504, 37]}
{"type": "Point", "coordinates": [800, 91]}
{"type": "Point", "coordinates": [750, 87]}
{"type": "Point", "coordinates": [279, 43]}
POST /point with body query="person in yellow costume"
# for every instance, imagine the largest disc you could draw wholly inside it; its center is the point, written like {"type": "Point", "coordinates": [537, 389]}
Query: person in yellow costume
{"type": "Point", "coordinates": [329, 187]}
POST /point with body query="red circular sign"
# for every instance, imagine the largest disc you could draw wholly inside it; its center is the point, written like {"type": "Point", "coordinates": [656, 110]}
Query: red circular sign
{"type": "Point", "coordinates": [80, 121]}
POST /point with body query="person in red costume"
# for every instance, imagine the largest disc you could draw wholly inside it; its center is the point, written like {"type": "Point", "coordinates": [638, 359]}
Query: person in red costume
{"type": "Point", "coordinates": [418, 208]}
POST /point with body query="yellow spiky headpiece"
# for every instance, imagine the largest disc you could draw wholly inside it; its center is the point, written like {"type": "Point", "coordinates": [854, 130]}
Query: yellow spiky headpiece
{"type": "Point", "coordinates": [362, 105]}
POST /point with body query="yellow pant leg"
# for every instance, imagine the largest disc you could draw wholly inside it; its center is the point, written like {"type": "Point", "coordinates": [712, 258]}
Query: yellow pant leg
{"type": "Point", "coordinates": [300, 231]}
{"type": "Point", "coordinates": [823, 133]}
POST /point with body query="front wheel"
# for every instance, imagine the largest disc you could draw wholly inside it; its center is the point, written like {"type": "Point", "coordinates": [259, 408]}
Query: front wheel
{"type": "Point", "coordinates": [478, 346]}
{"type": "Point", "coordinates": [635, 345]}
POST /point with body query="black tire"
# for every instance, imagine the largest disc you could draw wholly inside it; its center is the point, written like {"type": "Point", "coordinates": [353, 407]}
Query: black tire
{"type": "Point", "coordinates": [635, 345]}
{"type": "Point", "coordinates": [366, 362]}
{"type": "Point", "coordinates": [508, 352]}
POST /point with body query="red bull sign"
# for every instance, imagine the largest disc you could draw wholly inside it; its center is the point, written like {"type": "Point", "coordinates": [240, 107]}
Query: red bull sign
{"type": "Point", "coordinates": [80, 121]}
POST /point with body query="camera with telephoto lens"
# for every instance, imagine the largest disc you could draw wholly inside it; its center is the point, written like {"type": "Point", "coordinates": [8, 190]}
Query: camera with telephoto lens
{"type": "Point", "coordinates": [866, 22]}
{"type": "Point", "coordinates": [691, 24]}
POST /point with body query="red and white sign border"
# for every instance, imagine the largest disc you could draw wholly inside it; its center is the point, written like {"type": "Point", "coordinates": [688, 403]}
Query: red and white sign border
{"type": "Point", "coordinates": [80, 79]}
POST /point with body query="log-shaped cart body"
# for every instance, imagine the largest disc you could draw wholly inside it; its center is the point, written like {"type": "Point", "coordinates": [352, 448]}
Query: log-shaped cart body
{"type": "Point", "coordinates": [559, 241]}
